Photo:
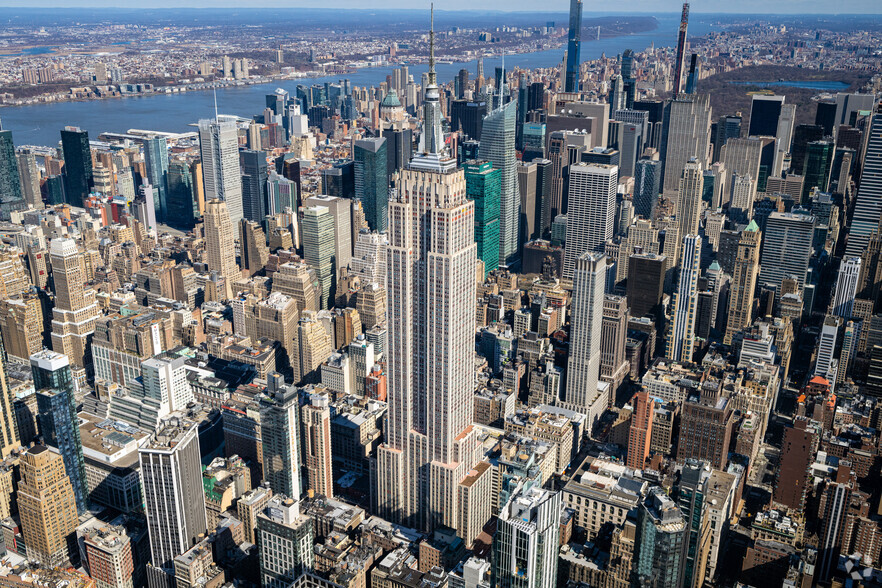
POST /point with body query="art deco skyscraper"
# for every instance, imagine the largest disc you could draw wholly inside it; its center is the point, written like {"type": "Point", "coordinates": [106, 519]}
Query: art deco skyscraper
{"type": "Point", "coordinates": [171, 475]}
{"type": "Point", "coordinates": [592, 210]}
{"type": "Point", "coordinates": [743, 281]}
{"type": "Point", "coordinates": [431, 261]}
{"type": "Point", "coordinates": [574, 42]}
{"type": "Point", "coordinates": [9, 436]}
{"type": "Point", "coordinates": [220, 248]}
{"type": "Point", "coordinates": [219, 148]}
{"type": "Point", "coordinates": [498, 147]}
{"type": "Point", "coordinates": [75, 311]}
{"type": "Point", "coordinates": [685, 135]}
{"type": "Point", "coordinates": [681, 336]}
{"type": "Point", "coordinates": [46, 506]}
{"type": "Point", "coordinates": [583, 369]}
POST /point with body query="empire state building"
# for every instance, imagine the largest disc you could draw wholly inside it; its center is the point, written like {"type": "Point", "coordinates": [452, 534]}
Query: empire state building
{"type": "Point", "coordinates": [430, 459]}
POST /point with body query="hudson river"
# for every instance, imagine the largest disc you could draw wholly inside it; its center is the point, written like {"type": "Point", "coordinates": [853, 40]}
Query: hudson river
{"type": "Point", "coordinates": [40, 124]}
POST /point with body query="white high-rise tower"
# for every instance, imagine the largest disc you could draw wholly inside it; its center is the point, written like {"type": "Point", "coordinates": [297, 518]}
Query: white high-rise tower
{"type": "Point", "coordinates": [219, 149]}
{"type": "Point", "coordinates": [591, 210]}
{"type": "Point", "coordinates": [586, 320]}
{"type": "Point", "coordinates": [431, 258]}
{"type": "Point", "coordinates": [846, 287]}
{"type": "Point", "coordinates": [681, 336]}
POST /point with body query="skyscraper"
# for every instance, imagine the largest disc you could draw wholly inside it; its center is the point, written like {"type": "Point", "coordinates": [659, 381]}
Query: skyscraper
{"type": "Point", "coordinates": [286, 538]}
{"type": "Point", "coordinates": [818, 161]}
{"type": "Point", "coordinates": [431, 281]}
{"type": "Point", "coordinates": [77, 165]}
{"type": "Point", "coordinates": [583, 368]}
{"type": "Point", "coordinates": [280, 432]}
{"type": "Point", "coordinates": [156, 163]}
{"type": "Point", "coordinates": [647, 176]}
{"type": "Point", "coordinates": [181, 206]}
{"type": "Point", "coordinates": [592, 210]}
{"type": "Point", "coordinates": [787, 247]}
{"type": "Point", "coordinates": [658, 549]}
{"type": "Point", "coordinates": [171, 475]}
{"type": "Point", "coordinates": [372, 180]}
{"type": "Point", "coordinates": [220, 249]}
{"type": "Point", "coordinates": [681, 52]}
{"type": "Point", "coordinates": [75, 311]}
{"type": "Point", "coordinates": [527, 537]}
{"type": "Point", "coordinates": [846, 287]}
{"type": "Point", "coordinates": [764, 114]}
{"type": "Point", "coordinates": [219, 148]}
{"type": "Point", "coordinates": [255, 173]}
{"type": "Point", "coordinates": [743, 282]}
{"type": "Point", "coordinates": [483, 188]}
{"type": "Point", "coordinates": [640, 432]}
{"type": "Point", "coordinates": [11, 195]}
{"type": "Point", "coordinates": [685, 135]}
{"type": "Point", "coordinates": [690, 497]}
{"type": "Point", "coordinates": [319, 250]}
{"type": "Point", "coordinates": [498, 147]}
{"type": "Point", "coordinates": [689, 198]}
{"type": "Point", "coordinates": [46, 506]}
{"type": "Point", "coordinates": [340, 210]}
{"type": "Point", "coordinates": [57, 416]}
{"type": "Point", "coordinates": [868, 206]}
{"type": "Point", "coordinates": [317, 446]}
{"type": "Point", "coordinates": [681, 336]}
{"type": "Point", "coordinates": [574, 42]}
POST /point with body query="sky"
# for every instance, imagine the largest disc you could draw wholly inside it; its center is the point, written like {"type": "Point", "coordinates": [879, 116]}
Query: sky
{"type": "Point", "coordinates": [643, 6]}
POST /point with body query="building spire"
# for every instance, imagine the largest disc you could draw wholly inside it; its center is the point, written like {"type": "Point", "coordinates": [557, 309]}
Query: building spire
{"type": "Point", "coordinates": [432, 140]}
{"type": "Point", "coordinates": [432, 43]}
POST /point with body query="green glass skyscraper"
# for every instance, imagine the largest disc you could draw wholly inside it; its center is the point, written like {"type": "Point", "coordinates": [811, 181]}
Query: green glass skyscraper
{"type": "Point", "coordinates": [818, 159]}
{"type": "Point", "coordinates": [372, 180]}
{"type": "Point", "coordinates": [77, 165]}
{"type": "Point", "coordinates": [318, 248]}
{"type": "Point", "coordinates": [484, 186]}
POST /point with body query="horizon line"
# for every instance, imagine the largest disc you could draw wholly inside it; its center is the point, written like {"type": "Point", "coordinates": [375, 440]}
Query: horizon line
{"type": "Point", "coordinates": [269, 6]}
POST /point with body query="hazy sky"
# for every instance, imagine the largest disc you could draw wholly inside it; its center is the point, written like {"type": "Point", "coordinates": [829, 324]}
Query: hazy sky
{"type": "Point", "coordinates": [649, 6]}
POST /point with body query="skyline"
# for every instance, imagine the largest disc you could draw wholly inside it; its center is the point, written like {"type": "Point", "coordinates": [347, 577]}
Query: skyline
{"type": "Point", "coordinates": [644, 7]}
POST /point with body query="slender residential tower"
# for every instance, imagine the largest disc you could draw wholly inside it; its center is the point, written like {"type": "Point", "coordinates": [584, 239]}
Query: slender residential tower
{"type": "Point", "coordinates": [574, 42]}
{"type": "Point", "coordinates": [431, 261]}
{"type": "Point", "coordinates": [681, 51]}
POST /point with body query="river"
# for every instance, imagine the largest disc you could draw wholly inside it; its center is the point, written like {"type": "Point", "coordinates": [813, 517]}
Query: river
{"type": "Point", "coordinates": [39, 124]}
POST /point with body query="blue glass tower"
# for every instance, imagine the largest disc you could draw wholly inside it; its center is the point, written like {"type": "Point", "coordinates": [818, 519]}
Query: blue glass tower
{"type": "Point", "coordinates": [574, 42]}
{"type": "Point", "coordinates": [156, 162]}
{"type": "Point", "coordinates": [57, 417]}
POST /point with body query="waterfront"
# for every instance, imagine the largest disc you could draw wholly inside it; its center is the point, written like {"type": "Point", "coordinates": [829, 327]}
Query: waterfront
{"type": "Point", "coordinates": [39, 124]}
